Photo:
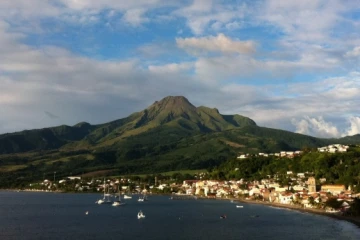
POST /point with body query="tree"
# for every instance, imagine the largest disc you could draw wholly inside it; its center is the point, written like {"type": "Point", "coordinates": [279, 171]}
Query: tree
{"type": "Point", "coordinates": [311, 200]}
{"type": "Point", "coordinates": [333, 203]}
{"type": "Point", "coordinates": [355, 208]}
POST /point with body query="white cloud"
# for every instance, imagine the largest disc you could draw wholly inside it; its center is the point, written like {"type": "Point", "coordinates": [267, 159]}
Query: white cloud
{"type": "Point", "coordinates": [16, 9]}
{"type": "Point", "coordinates": [353, 53]}
{"type": "Point", "coordinates": [247, 67]}
{"type": "Point", "coordinates": [296, 18]}
{"type": "Point", "coordinates": [316, 126]}
{"type": "Point", "coordinates": [219, 43]}
{"type": "Point", "coordinates": [25, 14]}
{"type": "Point", "coordinates": [354, 126]}
{"type": "Point", "coordinates": [171, 68]}
{"type": "Point", "coordinates": [135, 17]}
{"type": "Point", "coordinates": [326, 42]}
{"type": "Point", "coordinates": [202, 14]}
{"type": "Point", "coordinates": [321, 128]}
{"type": "Point", "coordinates": [233, 25]}
{"type": "Point", "coordinates": [120, 4]}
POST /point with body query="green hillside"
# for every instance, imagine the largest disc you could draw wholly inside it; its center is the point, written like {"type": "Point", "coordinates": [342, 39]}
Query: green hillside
{"type": "Point", "coordinates": [171, 134]}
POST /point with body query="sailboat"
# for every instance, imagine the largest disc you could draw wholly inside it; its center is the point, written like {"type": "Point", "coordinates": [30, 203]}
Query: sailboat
{"type": "Point", "coordinates": [118, 202]}
{"type": "Point", "coordinates": [127, 196]}
{"type": "Point", "coordinates": [142, 198]}
{"type": "Point", "coordinates": [106, 198]}
{"type": "Point", "coordinates": [140, 215]}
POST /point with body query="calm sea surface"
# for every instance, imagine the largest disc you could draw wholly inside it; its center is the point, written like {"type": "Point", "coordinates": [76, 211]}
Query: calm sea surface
{"type": "Point", "coordinates": [25, 215]}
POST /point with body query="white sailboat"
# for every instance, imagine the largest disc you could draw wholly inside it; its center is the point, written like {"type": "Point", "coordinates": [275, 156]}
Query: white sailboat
{"type": "Point", "coordinates": [118, 202]}
{"type": "Point", "coordinates": [106, 198]}
{"type": "Point", "coordinates": [127, 197]}
{"type": "Point", "coordinates": [140, 215]}
{"type": "Point", "coordinates": [142, 198]}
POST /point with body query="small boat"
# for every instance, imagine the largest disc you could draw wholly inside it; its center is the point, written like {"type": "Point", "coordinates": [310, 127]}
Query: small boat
{"type": "Point", "coordinates": [105, 199]}
{"type": "Point", "coordinates": [127, 197]}
{"type": "Point", "coordinates": [223, 216]}
{"type": "Point", "coordinates": [140, 215]}
{"type": "Point", "coordinates": [238, 206]}
{"type": "Point", "coordinates": [142, 198]}
{"type": "Point", "coordinates": [87, 213]}
{"type": "Point", "coordinates": [254, 216]}
{"type": "Point", "coordinates": [118, 202]}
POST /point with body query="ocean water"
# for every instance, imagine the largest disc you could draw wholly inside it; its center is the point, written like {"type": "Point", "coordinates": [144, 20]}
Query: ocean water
{"type": "Point", "coordinates": [26, 215]}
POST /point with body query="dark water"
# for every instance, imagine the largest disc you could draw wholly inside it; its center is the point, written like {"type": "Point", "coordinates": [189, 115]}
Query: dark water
{"type": "Point", "coordinates": [27, 215]}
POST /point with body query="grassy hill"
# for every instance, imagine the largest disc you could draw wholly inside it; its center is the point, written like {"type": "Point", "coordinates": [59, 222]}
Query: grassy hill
{"type": "Point", "coordinates": [171, 134]}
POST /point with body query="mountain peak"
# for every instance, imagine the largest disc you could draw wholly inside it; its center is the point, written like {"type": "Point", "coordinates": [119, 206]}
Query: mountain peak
{"type": "Point", "coordinates": [173, 103]}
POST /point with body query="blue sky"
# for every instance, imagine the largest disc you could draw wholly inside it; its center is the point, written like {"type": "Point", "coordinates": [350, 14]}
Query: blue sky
{"type": "Point", "coordinates": [292, 65]}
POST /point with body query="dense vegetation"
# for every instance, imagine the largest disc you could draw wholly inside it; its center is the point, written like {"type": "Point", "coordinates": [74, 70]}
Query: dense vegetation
{"type": "Point", "coordinates": [337, 168]}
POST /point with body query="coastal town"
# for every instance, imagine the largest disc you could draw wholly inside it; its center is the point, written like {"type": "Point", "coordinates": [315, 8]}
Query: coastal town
{"type": "Point", "coordinates": [302, 190]}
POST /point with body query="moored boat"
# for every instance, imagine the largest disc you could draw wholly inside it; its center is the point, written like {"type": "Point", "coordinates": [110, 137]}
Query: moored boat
{"type": "Point", "coordinates": [118, 202]}
{"type": "Point", "coordinates": [106, 198]}
{"type": "Point", "coordinates": [140, 215]}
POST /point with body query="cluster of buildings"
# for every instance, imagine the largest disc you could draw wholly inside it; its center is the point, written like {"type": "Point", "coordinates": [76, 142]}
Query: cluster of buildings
{"type": "Point", "coordinates": [77, 184]}
{"type": "Point", "coordinates": [334, 148]}
{"type": "Point", "coordinates": [290, 154]}
{"type": "Point", "coordinates": [303, 192]}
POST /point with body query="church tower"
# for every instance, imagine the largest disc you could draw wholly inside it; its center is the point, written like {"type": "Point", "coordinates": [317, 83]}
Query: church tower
{"type": "Point", "coordinates": [311, 184]}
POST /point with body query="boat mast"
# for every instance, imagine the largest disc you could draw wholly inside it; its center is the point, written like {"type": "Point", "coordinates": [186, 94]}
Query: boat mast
{"type": "Point", "coordinates": [104, 189]}
{"type": "Point", "coordinates": [119, 193]}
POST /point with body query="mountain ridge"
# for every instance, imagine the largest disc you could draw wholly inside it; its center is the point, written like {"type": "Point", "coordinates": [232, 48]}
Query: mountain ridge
{"type": "Point", "coordinates": [171, 108]}
{"type": "Point", "coordinates": [176, 111]}
{"type": "Point", "coordinates": [170, 134]}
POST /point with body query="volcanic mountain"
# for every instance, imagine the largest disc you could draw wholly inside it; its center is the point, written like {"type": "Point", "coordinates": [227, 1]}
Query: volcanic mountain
{"type": "Point", "coordinates": [168, 135]}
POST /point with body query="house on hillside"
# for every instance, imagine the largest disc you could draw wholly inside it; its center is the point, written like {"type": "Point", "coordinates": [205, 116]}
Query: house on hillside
{"type": "Point", "coordinates": [285, 198]}
{"type": "Point", "coordinates": [333, 189]}
{"type": "Point", "coordinates": [189, 183]}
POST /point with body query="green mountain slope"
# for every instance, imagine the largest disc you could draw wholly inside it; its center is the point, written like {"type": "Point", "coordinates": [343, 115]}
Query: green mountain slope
{"type": "Point", "coordinates": [171, 134]}
{"type": "Point", "coordinates": [170, 111]}
{"type": "Point", "coordinates": [40, 139]}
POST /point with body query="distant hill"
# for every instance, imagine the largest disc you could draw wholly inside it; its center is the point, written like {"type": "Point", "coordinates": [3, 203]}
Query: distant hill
{"type": "Point", "coordinates": [170, 134]}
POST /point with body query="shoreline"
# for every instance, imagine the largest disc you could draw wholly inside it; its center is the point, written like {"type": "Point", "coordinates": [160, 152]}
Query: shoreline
{"type": "Point", "coordinates": [315, 211]}
{"type": "Point", "coordinates": [353, 220]}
